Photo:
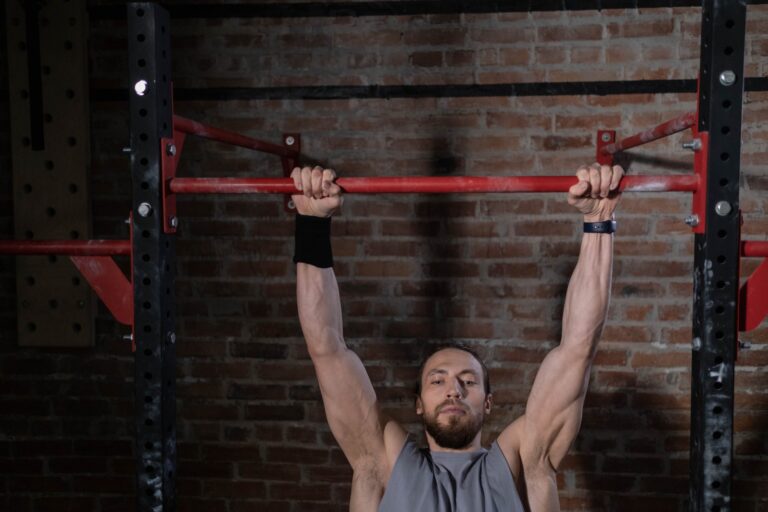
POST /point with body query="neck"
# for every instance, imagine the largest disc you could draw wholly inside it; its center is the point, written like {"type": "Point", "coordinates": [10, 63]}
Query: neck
{"type": "Point", "coordinates": [471, 447]}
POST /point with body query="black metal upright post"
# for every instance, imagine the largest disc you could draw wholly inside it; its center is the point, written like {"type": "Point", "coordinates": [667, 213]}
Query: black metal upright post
{"type": "Point", "coordinates": [716, 258]}
{"type": "Point", "coordinates": [153, 259]}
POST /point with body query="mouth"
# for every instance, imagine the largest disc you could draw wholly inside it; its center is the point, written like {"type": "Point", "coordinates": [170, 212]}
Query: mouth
{"type": "Point", "coordinates": [452, 409]}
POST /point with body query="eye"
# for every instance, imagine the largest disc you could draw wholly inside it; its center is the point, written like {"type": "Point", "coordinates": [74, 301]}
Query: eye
{"type": "Point", "coordinates": [437, 381]}
{"type": "Point", "coordinates": [469, 383]}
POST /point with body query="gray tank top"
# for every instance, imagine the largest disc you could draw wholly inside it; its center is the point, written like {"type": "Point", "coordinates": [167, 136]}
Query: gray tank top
{"type": "Point", "coordinates": [424, 481]}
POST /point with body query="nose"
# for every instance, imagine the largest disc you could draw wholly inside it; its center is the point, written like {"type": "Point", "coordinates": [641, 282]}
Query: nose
{"type": "Point", "coordinates": [456, 390]}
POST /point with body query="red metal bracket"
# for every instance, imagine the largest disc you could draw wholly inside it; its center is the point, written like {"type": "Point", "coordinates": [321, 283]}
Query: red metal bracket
{"type": "Point", "coordinates": [753, 299]}
{"type": "Point", "coordinates": [291, 141]}
{"type": "Point", "coordinates": [700, 165]}
{"type": "Point", "coordinates": [605, 138]}
{"type": "Point", "coordinates": [171, 153]}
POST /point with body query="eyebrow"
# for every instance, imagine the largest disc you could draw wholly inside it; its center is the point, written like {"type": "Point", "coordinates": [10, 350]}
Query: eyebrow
{"type": "Point", "coordinates": [442, 371]}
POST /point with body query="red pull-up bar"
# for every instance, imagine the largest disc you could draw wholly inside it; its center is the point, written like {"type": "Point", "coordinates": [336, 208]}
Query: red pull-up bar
{"type": "Point", "coordinates": [429, 184]}
{"type": "Point", "coordinates": [67, 247]}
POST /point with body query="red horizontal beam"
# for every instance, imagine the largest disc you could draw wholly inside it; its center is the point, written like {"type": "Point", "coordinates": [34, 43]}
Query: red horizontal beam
{"type": "Point", "coordinates": [68, 247]}
{"type": "Point", "coordinates": [429, 184]}
{"type": "Point", "coordinates": [754, 249]}
{"type": "Point", "coordinates": [663, 130]}
{"type": "Point", "coordinates": [191, 127]}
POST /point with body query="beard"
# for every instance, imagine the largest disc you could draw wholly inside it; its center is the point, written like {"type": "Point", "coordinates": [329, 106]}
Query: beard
{"type": "Point", "coordinates": [458, 433]}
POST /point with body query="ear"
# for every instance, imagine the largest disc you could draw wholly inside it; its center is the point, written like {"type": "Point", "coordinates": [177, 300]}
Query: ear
{"type": "Point", "coordinates": [419, 406]}
{"type": "Point", "coordinates": [488, 403]}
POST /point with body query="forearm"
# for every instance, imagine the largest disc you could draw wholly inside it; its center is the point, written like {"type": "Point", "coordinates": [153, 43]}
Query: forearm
{"type": "Point", "coordinates": [317, 297]}
{"type": "Point", "coordinates": [586, 302]}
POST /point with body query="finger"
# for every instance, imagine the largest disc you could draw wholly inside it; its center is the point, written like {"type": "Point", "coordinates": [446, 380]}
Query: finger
{"type": "Point", "coordinates": [618, 174]}
{"type": "Point", "coordinates": [594, 181]}
{"type": "Point", "coordinates": [334, 190]}
{"type": "Point", "coordinates": [328, 177]}
{"type": "Point", "coordinates": [296, 176]}
{"type": "Point", "coordinates": [605, 180]}
{"type": "Point", "coordinates": [317, 182]}
{"type": "Point", "coordinates": [306, 181]}
{"type": "Point", "coordinates": [583, 173]}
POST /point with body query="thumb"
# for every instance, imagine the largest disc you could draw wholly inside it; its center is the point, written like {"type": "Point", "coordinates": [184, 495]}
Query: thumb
{"type": "Point", "coordinates": [579, 189]}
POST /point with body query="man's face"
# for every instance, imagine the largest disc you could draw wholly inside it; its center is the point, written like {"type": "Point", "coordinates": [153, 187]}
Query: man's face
{"type": "Point", "coordinates": [453, 403]}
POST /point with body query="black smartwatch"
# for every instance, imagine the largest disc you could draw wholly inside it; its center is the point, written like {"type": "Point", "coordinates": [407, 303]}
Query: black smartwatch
{"type": "Point", "coordinates": [606, 227]}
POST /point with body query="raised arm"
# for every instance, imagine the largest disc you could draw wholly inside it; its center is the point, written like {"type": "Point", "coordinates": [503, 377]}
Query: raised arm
{"type": "Point", "coordinates": [348, 396]}
{"type": "Point", "coordinates": [553, 412]}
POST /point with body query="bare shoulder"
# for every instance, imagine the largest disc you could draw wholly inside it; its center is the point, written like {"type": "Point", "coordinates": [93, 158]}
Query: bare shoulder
{"type": "Point", "coordinates": [509, 442]}
{"type": "Point", "coordinates": [394, 440]}
{"type": "Point", "coordinates": [371, 472]}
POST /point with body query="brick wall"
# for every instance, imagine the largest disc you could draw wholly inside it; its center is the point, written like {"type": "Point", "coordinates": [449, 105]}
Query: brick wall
{"type": "Point", "coordinates": [490, 270]}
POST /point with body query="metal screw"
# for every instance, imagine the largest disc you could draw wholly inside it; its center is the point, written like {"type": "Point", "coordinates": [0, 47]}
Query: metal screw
{"type": "Point", "coordinates": [126, 149]}
{"type": "Point", "coordinates": [128, 220]}
{"type": "Point", "coordinates": [145, 209]}
{"type": "Point", "coordinates": [692, 220]}
{"type": "Point", "coordinates": [723, 208]}
{"type": "Point", "coordinates": [605, 137]}
{"type": "Point", "coordinates": [170, 149]}
{"type": "Point", "coordinates": [291, 204]}
{"type": "Point", "coordinates": [727, 77]}
{"type": "Point", "coordinates": [693, 145]}
{"type": "Point", "coordinates": [140, 87]}
{"type": "Point", "coordinates": [173, 221]}
{"type": "Point", "coordinates": [127, 337]}
{"type": "Point", "coordinates": [289, 141]}
{"type": "Point", "coordinates": [172, 337]}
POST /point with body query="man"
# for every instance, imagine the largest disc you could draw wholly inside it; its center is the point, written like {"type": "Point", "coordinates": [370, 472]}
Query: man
{"type": "Point", "coordinates": [390, 474]}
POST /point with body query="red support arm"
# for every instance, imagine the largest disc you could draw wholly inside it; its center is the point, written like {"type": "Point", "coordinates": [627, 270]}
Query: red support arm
{"type": "Point", "coordinates": [430, 184]}
{"type": "Point", "coordinates": [185, 125]}
{"type": "Point", "coordinates": [663, 130]}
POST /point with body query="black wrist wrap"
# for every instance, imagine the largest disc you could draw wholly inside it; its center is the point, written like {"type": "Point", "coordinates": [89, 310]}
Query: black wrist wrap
{"type": "Point", "coordinates": [313, 241]}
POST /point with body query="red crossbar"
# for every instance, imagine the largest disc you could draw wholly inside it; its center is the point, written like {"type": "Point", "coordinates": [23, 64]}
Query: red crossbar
{"type": "Point", "coordinates": [191, 127]}
{"type": "Point", "coordinates": [663, 130]}
{"type": "Point", "coordinates": [754, 249]}
{"type": "Point", "coordinates": [429, 184]}
{"type": "Point", "coordinates": [68, 247]}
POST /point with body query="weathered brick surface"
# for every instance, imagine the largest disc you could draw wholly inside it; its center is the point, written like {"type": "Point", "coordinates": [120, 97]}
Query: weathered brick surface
{"type": "Point", "coordinates": [490, 270]}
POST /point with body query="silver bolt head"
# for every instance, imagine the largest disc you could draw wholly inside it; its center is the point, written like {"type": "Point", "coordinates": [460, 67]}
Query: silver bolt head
{"type": "Point", "coordinates": [694, 145]}
{"type": "Point", "coordinates": [126, 149]}
{"type": "Point", "coordinates": [170, 149]}
{"type": "Point", "coordinates": [692, 220]}
{"type": "Point", "coordinates": [291, 204]}
{"type": "Point", "coordinates": [605, 137]}
{"type": "Point", "coordinates": [128, 337]}
{"type": "Point", "coordinates": [290, 141]}
{"type": "Point", "coordinates": [172, 337]}
{"type": "Point", "coordinates": [723, 208]}
{"type": "Point", "coordinates": [140, 87]}
{"type": "Point", "coordinates": [173, 221]}
{"type": "Point", "coordinates": [145, 209]}
{"type": "Point", "coordinates": [727, 77]}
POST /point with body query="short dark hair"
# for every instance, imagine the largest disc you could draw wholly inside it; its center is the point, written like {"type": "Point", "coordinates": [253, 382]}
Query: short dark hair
{"type": "Point", "coordinates": [457, 346]}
